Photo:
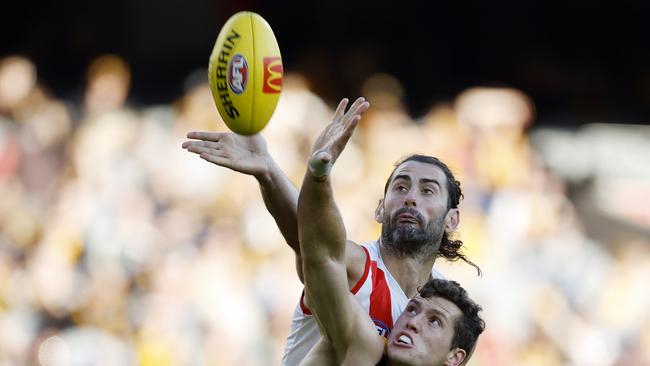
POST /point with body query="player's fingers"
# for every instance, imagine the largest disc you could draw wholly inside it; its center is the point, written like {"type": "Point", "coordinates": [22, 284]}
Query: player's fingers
{"type": "Point", "coordinates": [205, 144]}
{"type": "Point", "coordinates": [211, 144]}
{"type": "Point", "coordinates": [340, 110]}
{"type": "Point", "coordinates": [198, 149]}
{"type": "Point", "coordinates": [189, 144]}
{"type": "Point", "coordinates": [363, 107]}
{"type": "Point", "coordinates": [349, 128]}
{"type": "Point", "coordinates": [205, 136]}
{"type": "Point", "coordinates": [355, 106]}
{"type": "Point", "coordinates": [345, 133]}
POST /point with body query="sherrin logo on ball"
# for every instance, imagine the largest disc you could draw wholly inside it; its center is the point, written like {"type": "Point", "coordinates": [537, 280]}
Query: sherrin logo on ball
{"type": "Point", "coordinates": [245, 73]}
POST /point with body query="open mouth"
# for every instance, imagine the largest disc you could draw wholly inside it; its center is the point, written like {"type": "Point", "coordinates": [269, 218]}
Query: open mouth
{"type": "Point", "coordinates": [404, 340]}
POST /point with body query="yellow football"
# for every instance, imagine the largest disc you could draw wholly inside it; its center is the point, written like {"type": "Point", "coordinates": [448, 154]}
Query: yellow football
{"type": "Point", "coordinates": [245, 73]}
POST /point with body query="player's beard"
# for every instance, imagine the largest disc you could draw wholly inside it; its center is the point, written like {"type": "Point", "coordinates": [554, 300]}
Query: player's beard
{"type": "Point", "coordinates": [412, 241]}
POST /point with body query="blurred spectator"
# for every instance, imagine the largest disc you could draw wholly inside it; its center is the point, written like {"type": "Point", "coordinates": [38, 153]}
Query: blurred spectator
{"type": "Point", "coordinates": [108, 83]}
{"type": "Point", "coordinates": [118, 248]}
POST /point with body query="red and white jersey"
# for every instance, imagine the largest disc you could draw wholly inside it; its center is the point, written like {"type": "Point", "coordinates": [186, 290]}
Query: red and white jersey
{"type": "Point", "coordinates": [377, 292]}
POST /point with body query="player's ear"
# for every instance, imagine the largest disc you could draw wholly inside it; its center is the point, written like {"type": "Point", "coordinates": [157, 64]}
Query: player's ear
{"type": "Point", "coordinates": [379, 211]}
{"type": "Point", "coordinates": [452, 220]}
{"type": "Point", "coordinates": [455, 357]}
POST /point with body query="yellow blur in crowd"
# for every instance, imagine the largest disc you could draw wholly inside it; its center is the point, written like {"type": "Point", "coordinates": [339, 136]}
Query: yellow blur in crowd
{"type": "Point", "coordinates": [117, 247]}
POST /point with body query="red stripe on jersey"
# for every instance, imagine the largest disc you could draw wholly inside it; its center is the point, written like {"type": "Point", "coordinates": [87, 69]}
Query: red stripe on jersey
{"type": "Point", "coordinates": [303, 307]}
{"type": "Point", "coordinates": [365, 272]}
{"type": "Point", "coordinates": [380, 302]}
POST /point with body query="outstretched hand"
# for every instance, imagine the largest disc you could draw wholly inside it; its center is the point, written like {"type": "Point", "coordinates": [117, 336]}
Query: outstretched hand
{"type": "Point", "coordinates": [245, 154]}
{"type": "Point", "coordinates": [335, 136]}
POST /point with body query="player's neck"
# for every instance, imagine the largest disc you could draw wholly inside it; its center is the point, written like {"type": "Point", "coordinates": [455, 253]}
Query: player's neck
{"type": "Point", "coordinates": [409, 272]}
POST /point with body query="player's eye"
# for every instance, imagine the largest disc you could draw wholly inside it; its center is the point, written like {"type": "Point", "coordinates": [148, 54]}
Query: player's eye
{"type": "Point", "coordinates": [428, 191]}
{"type": "Point", "coordinates": [435, 322]}
{"type": "Point", "coordinates": [411, 310]}
{"type": "Point", "coordinates": [401, 188]}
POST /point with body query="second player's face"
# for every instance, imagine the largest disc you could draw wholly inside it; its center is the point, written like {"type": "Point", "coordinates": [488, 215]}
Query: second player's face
{"type": "Point", "coordinates": [423, 334]}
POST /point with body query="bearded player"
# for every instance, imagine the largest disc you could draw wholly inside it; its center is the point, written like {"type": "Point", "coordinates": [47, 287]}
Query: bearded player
{"type": "Point", "coordinates": [418, 213]}
{"type": "Point", "coordinates": [439, 326]}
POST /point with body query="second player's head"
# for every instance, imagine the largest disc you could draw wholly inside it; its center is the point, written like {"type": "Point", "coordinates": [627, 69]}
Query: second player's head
{"type": "Point", "coordinates": [440, 326]}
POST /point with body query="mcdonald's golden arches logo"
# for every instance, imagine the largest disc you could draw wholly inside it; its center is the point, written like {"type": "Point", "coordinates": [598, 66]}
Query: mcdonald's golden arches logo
{"type": "Point", "coordinates": [272, 75]}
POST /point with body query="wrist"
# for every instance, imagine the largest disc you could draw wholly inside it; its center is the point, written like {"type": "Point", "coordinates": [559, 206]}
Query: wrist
{"type": "Point", "coordinates": [320, 165]}
{"type": "Point", "coordinates": [267, 175]}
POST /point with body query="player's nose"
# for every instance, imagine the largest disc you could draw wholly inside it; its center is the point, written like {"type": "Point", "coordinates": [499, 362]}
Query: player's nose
{"type": "Point", "coordinates": [409, 200]}
{"type": "Point", "coordinates": [413, 323]}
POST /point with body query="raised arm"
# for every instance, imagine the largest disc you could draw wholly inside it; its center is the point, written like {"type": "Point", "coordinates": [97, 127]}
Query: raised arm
{"type": "Point", "coordinates": [346, 327]}
{"type": "Point", "coordinates": [249, 155]}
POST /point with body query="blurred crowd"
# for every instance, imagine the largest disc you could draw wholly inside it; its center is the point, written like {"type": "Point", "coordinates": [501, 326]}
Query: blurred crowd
{"type": "Point", "coordinates": [117, 247]}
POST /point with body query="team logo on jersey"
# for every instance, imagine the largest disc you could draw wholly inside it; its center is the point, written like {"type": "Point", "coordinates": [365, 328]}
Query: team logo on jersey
{"type": "Point", "coordinates": [238, 74]}
{"type": "Point", "coordinates": [382, 328]}
{"type": "Point", "coordinates": [272, 75]}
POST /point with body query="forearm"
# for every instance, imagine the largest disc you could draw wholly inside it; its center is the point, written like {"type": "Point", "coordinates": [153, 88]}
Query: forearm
{"type": "Point", "coordinates": [322, 235]}
{"type": "Point", "coordinates": [322, 242]}
{"type": "Point", "coordinates": [281, 200]}
{"type": "Point", "coordinates": [321, 229]}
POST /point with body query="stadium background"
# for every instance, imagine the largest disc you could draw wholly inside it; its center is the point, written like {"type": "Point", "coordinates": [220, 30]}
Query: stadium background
{"type": "Point", "coordinates": [117, 247]}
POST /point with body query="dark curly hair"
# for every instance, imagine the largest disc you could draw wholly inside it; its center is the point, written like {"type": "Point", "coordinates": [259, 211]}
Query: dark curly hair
{"type": "Point", "coordinates": [449, 249]}
{"type": "Point", "coordinates": [470, 325]}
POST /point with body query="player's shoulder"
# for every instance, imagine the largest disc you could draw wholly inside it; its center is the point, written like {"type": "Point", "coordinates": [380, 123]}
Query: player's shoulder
{"type": "Point", "coordinates": [357, 255]}
{"type": "Point", "coordinates": [365, 248]}
{"type": "Point", "coordinates": [357, 261]}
